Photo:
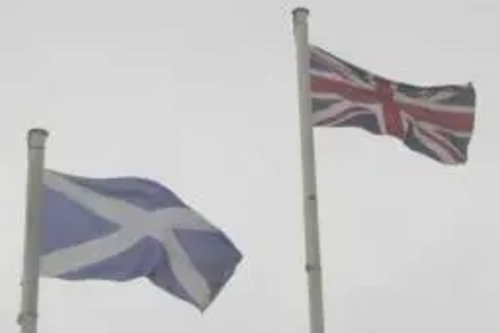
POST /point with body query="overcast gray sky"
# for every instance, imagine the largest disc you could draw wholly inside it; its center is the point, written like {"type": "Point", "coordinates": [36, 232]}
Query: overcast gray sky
{"type": "Point", "coordinates": [202, 96]}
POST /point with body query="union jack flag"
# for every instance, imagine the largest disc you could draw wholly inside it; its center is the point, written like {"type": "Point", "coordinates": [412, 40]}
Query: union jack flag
{"type": "Point", "coordinates": [436, 121]}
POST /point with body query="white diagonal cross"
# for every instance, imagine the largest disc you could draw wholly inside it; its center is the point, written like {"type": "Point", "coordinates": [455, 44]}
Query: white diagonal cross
{"type": "Point", "coordinates": [136, 223]}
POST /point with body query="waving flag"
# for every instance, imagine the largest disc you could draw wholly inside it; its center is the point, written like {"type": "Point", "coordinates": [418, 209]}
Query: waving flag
{"type": "Point", "coordinates": [124, 228]}
{"type": "Point", "coordinates": [436, 121]}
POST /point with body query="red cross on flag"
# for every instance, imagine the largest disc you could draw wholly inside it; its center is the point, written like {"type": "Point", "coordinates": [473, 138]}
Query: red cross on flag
{"type": "Point", "coordinates": [436, 121]}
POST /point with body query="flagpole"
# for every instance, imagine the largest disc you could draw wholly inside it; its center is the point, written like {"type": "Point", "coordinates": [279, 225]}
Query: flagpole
{"type": "Point", "coordinates": [313, 263]}
{"type": "Point", "coordinates": [29, 299]}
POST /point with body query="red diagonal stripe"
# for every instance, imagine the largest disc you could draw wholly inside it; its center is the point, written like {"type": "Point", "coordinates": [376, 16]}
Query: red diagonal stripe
{"type": "Point", "coordinates": [338, 116]}
{"type": "Point", "coordinates": [450, 149]}
{"type": "Point", "coordinates": [331, 66]}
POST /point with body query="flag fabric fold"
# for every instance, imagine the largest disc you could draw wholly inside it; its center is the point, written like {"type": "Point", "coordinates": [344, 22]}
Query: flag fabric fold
{"type": "Point", "coordinates": [436, 121]}
{"type": "Point", "coordinates": [119, 229]}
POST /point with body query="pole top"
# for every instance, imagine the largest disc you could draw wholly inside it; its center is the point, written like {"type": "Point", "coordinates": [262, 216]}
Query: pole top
{"type": "Point", "coordinates": [37, 137]}
{"type": "Point", "coordinates": [300, 14]}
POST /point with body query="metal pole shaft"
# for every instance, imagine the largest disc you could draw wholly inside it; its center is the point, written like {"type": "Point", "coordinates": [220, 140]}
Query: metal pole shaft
{"type": "Point", "coordinates": [313, 265]}
{"type": "Point", "coordinates": [29, 303]}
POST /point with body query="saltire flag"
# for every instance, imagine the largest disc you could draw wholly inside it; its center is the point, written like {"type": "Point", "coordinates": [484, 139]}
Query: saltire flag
{"type": "Point", "coordinates": [119, 229]}
{"type": "Point", "coordinates": [436, 121]}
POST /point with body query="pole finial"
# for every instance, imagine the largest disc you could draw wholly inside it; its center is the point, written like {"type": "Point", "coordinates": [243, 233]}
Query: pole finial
{"type": "Point", "coordinates": [37, 137]}
{"type": "Point", "coordinates": [300, 14]}
{"type": "Point", "coordinates": [303, 10]}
